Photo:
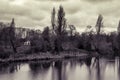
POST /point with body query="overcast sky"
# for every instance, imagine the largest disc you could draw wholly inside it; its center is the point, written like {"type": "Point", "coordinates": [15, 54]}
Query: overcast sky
{"type": "Point", "coordinates": [37, 13]}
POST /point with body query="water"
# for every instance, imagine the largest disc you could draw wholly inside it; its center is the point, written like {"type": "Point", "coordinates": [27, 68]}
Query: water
{"type": "Point", "coordinates": [87, 69]}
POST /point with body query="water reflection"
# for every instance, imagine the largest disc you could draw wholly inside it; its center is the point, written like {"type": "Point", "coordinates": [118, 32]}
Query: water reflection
{"type": "Point", "coordinates": [9, 68]}
{"type": "Point", "coordinates": [85, 69]}
{"type": "Point", "coordinates": [40, 71]}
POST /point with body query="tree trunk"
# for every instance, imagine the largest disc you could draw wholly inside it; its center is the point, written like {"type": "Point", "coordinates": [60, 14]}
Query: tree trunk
{"type": "Point", "coordinates": [13, 46]}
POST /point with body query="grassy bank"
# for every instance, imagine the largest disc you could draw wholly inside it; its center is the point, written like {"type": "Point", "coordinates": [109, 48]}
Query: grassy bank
{"type": "Point", "coordinates": [45, 56]}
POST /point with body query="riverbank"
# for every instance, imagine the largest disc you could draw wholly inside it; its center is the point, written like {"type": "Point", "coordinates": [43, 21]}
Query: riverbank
{"type": "Point", "coordinates": [45, 56]}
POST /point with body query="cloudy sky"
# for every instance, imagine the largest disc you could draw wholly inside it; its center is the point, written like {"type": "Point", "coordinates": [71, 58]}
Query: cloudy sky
{"type": "Point", "coordinates": [37, 13]}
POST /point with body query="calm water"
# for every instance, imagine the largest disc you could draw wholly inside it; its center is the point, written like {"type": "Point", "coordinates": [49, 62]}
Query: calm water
{"type": "Point", "coordinates": [87, 69]}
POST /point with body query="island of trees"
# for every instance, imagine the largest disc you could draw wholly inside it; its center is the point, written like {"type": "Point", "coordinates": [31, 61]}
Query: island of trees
{"type": "Point", "coordinates": [57, 40]}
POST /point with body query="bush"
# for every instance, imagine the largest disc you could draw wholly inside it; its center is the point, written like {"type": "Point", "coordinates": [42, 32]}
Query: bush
{"type": "Point", "coordinates": [4, 55]}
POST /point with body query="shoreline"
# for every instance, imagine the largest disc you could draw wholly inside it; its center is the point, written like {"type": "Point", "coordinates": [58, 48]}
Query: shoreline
{"type": "Point", "coordinates": [45, 56]}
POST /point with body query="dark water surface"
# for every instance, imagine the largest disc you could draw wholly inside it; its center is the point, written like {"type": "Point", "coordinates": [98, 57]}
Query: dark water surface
{"type": "Point", "coordinates": [87, 69]}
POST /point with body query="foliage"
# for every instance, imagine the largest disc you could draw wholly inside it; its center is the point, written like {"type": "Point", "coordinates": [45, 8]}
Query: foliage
{"type": "Point", "coordinates": [60, 36]}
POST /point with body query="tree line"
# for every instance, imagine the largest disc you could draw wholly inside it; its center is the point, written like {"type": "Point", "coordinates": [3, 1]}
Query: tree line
{"type": "Point", "coordinates": [59, 36]}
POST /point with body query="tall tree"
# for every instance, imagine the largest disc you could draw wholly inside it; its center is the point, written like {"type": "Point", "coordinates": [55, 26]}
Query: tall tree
{"type": "Point", "coordinates": [99, 24]}
{"type": "Point", "coordinates": [12, 35]}
{"type": "Point", "coordinates": [118, 29]}
{"type": "Point", "coordinates": [118, 38]}
{"type": "Point", "coordinates": [61, 26]}
{"type": "Point", "coordinates": [60, 29]}
{"type": "Point", "coordinates": [53, 19]}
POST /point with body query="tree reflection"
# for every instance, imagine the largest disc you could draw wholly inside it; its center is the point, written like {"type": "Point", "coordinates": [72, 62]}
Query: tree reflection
{"type": "Point", "coordinates": [88, 64]}
{"type": "Point", "coordinates": [93, 66]}
{"type": "Point", "coordinates": [117, 60]}
{"type": "Point", "coordinates": [59, 70]}
{"type": "Point", "coordinates": [119, 70]}
{"type": "Point", "coordinates": [58, 66]}
{"type": "Point", "coordinates": [88, 61]}
{"type": "Point", "coordinates": [37, 67]}
{"type": "Point", "coordinates": [9, 67]}
{"type": "Point", "coordinates": [98, 69]}
{"type": "Point", "coordinates": [82, 69]}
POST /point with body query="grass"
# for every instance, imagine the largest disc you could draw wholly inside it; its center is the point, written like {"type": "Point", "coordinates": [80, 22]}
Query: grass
{"type": "Point", "coordinates": [43, 56]}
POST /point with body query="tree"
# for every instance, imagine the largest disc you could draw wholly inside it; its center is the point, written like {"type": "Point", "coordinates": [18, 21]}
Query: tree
{"type": "Point", "coordinates": [99, 24]}
{"type": "Point", "coordinates": [46, 39]}
{"type": "Point", "coordinates": [118, 29]}
{"type": "Point", "coordinates": [72, 29]}
{"type": "Point", "coordinates": [12, 35]}
{"type": "Point", "coordinates": [60, 29]}
{"type": "Point", "coordinates": [53, 19]}
{"type": "Point", "coordinates": [118, 37]}
{"type": "Point", "coordinates": [61, 26]}
{"type": "Point", "coordinates": [4, 36]}
{"type": "Point", "coordinates": [46, 34]}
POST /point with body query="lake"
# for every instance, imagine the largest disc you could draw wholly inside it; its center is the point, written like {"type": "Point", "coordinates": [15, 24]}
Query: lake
{"type": "Point", "coordinates": [71, 69]}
